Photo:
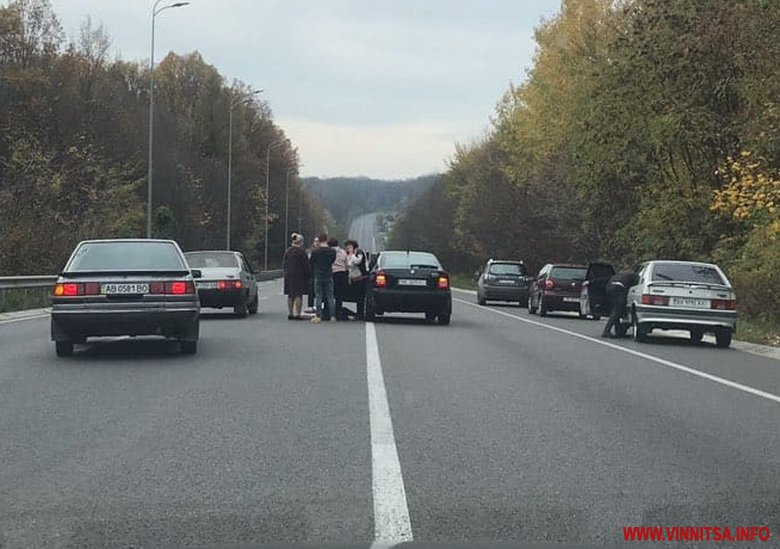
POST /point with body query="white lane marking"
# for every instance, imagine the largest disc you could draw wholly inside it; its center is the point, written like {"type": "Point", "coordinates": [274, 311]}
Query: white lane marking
{"type": "Point", "coordinates": [22, 318]}
{"type": "Point", "coordinates": [663, 362]}
{"type": "Point", "coordinates": [391, 514]}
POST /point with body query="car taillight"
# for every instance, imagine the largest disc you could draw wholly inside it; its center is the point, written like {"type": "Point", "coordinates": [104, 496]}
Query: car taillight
{"type": "Point", "coordinates": [724, 304]}
{"type": "Point", "coordinates": [380, 280]}
{"type": "Point", "coordinates": [229, 285]}
{"type": "Point", "coordinates": [180, 287]}
{"type": "Point", "coordinates": [443, 283]}
{"type": "Point", "coordinates": [549, 284]}
{"type": "Point", "coordinates": [68, 289]}
{"type": "Point", "coordinates": [650, 299]}
{"type": "Point", "coordinates": [91, 288]}
{"type": "Point", "coordinates": [157, 287]}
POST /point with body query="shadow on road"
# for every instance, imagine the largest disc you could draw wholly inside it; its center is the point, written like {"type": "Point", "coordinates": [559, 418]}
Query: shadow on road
{"type": "Point", "coordinates": [141, 348]}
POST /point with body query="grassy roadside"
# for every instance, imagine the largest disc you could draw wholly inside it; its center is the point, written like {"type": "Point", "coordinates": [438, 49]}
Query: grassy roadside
{"type": "Point", "coordinates": [463, 281]}
{"type": "Point", "coordinates": [19, 299]}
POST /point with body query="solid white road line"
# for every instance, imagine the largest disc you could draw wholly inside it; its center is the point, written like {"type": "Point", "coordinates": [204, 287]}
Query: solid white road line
{"type": "Point", "coordinates": [22, 318]}
{"type": "Point", "coordinates": [391, 514]}
{"type": "Point", "coordinates": [657, 360]}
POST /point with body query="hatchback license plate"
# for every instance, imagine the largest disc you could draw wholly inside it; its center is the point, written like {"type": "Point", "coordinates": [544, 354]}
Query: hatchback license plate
{"type": "Point", "coordinates": [206, 285]}
{"type": "Point", "coordinates": [690, 302]}
{"type": "Point", "coordinates": [571, 299]}
{"type": "Point", "coordinates": [111, 289]}
{"type": "Point", "coordinates": [412, 282]}
{"type": "Point", "coordinates": [506, 281]}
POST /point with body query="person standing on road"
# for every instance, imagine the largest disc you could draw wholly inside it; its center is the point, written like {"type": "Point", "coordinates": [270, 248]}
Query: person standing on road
{"type": "Point", "coordinates": [295, 266]}
{"type": "Point", "coordinates": [357, 263]}
{"type": "Point", "coordinates": [321, 260]}
{"type": "Point", "coordinates": [617, 292]}
{"type": "Point", "coordinates": [340, 278]}
{"type": "Point", "coordinates": [310, 302]}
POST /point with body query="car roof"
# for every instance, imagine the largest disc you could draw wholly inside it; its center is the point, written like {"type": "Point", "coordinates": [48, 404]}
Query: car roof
{"type": "Point", "coordinates": [112, 240]}
{"type": "Point", "coordinates": [512, 261]}
{"type": "Point", "coordinates": [576, 265]}
{"type": "Point", "coordinates": [407, 252]}
{"type": "Point", "coordinates": [211, 252]}
{"type": "Point", "coordinates": [676, 262]}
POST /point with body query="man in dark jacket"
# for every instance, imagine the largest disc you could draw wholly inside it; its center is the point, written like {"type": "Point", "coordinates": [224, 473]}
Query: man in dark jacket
{"type": "Point", "coordinates": [617, 292]}
{"type": "Point", "coordinates": [322, 259]}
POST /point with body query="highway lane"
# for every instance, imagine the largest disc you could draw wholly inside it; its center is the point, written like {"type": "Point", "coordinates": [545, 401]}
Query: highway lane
{"type": "Point", "coordinates": [363, 229]}
{"type": "Point", "coordinates": [503, 429]}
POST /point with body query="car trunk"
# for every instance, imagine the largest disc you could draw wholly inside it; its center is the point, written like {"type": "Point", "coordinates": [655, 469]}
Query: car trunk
{"type": "Point", "coordinates": [412, 279]}
{"type": "Point", "coordinates": [694, 295]}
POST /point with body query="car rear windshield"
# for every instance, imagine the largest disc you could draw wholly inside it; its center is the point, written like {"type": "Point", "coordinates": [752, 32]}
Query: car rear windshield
{"type": "Point", "coordinates": [127, 256]}
{"type": "Point", "coordinates": [403, 260]}
{"type": "Point", "coordinates": [507, 269]}
{"type": "Point", "coordinates": [568, 273]}
{"type": "Point", "coordinates": [210, 260]}
{"type": "Point", "coordinates": [683, 272]}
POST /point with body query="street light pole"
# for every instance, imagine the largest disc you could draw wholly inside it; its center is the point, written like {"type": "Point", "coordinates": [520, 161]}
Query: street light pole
{"type": "Point", "coordinates": [268, 197]}
{"type": "Point", "coordinates": [287, 205]}
{"type": "Point", "coordinates": [230, 164]}
{"type": "Point", "coordinates": [155, 13]}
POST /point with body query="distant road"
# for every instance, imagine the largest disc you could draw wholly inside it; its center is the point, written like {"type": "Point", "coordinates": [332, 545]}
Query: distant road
{"type": "Point", "coordinates": [363, 229]}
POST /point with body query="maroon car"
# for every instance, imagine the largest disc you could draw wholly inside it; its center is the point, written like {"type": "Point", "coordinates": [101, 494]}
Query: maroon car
{"type": "Point", "coordinates": [556, 288]}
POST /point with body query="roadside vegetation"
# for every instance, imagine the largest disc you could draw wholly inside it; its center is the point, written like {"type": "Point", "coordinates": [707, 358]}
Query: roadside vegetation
{"type": "Point", "coordinates": [73, 149]}
{"type": "Point", "coordinates": [645, 129]}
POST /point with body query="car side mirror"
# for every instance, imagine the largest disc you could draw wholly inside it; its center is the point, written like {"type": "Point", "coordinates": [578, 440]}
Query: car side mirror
{"type": "Point", "coordinates": [196, 273]}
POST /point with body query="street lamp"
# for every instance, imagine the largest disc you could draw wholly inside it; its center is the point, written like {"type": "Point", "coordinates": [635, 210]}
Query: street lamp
{"type": "Point", "coordinates": [233, 102]}
{"type": "Point", "coordinates": [287, 204]}
{"type": "Point", "coordinates": [271, 146]}
{"type": "Point", "coordinates": [155, 12]}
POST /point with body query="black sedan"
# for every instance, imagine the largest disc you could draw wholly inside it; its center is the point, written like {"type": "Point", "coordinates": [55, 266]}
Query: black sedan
{"type": "Point", "coordinates": [125, 287]}
{"type": "Point", "coordinates": [409, 282]}
{"type": "Point", "coordinates": [228, 280]}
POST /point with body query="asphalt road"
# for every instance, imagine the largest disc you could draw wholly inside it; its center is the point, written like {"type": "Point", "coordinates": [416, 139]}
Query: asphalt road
{"type": "Point", "coordinates": [363, 229]}
{"type": "Point", "coordinates": [501, 426]}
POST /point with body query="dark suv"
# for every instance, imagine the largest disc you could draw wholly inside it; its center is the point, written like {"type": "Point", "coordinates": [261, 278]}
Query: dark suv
{"type": "Point", "coordinates": [556, 288]}
{"type": "Point", "coordinates": [503, 280]}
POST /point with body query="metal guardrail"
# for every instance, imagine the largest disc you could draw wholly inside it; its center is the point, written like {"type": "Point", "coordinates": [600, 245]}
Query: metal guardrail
{"type": "Point", "coordinates": [43, 281]}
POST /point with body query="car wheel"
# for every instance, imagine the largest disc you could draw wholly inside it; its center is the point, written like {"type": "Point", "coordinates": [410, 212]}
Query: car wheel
{"type": "Point", "coordinates": [63, 348]}
{"type": "Point", "coordinates": [523, 302]}
{"type": "Point", "coordinates": [254, 305]}
{"type": "Point", "coordinates": [640, 330]}
{"type": "Point", "coordinates": [481, 300]}
{"type": "Point", "coordinates": [723, 338]}
{"type": "Point", "coordinates": [596, 317]}
{"type": "Point", "coordinates": [240, 310]}
{"type": "Point", "coordinates": [531, 308]}
{"type": "Point", "coordinates": [188, 347]}
{"type": "Point", "coordinates": [696, 335]}
{"type": "Point", "coordinates": [542, 306]}
{"type": "Point", "coordinates": [444, 319]}
{"type": "Point", "coordinates": [430, 317]}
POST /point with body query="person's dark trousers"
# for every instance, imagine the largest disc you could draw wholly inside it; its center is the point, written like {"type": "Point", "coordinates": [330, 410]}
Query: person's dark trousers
{"type": "Point", "coordinates": [311, 294]}
{"type": "Point", "coordinates": [340, 289]}
{"type": "Point", "coordinates": [616, 301]}
{"type": "Point", "coordinates": [323, 293]}
{"type": "Point", "coordinates": [360, 297]}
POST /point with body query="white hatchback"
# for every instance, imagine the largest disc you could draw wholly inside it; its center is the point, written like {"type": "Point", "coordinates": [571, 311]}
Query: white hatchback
{"type": "Point", "coordinates": [683, 295]}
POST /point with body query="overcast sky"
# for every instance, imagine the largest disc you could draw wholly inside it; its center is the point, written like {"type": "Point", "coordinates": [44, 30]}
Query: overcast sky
{"type": "Point", "coordinates": [382, 88]}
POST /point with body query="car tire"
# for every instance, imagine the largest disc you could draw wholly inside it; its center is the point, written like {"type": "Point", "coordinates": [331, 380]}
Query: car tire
{"type": "Point", "coordinates": [596, 317]}
{"type": "Point", "coordinates": [640, 330]}
{"type": "Point", "coordinates": [621, 329]}
{"type": "Point", "coordinates": [188, 347]}
{"type": "Point", "coordinates": [531, 308]}
{"type": "Point", "coordinates": [523, 303]}
{"type": "Point", "coordinates": [444, 320]}
{"type": "Point", "coordinates": [370, 311]}
{"type": "Point", "coordinates": [542, 307]}
{"type": "Point", "coordinates": [723, 338]}
{"type": "Point", "coordinates": [430, 317]}
{"type": "Point", "coordinates": [254, 305]}
{"type": "Point", "coordinates": [481, 300]}
{"type": "Point", "coordinates": [241, 310]}
{"type": "Point", "coordinates": [697, 334]}
{"type": "Point", "coordinates": [63, 348]}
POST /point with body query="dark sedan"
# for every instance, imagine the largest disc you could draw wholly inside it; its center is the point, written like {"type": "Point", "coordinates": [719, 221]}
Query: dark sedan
{"type": "Point", "coordinates": [227, 281]}
{"type": "Point", "coordinates": [125, 287]}
{"type": "Point", "coordinates": [409, 282]}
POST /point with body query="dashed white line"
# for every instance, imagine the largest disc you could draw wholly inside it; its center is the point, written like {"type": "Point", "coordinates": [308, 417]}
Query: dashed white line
{"type": "Point", "coordinates": [391, 513]}
{"type": "Point", "coordinates": [657, 360]}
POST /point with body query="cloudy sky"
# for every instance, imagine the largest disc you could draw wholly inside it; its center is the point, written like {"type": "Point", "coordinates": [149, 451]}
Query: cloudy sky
{"type": "Point", "coordinates": [382, 88]}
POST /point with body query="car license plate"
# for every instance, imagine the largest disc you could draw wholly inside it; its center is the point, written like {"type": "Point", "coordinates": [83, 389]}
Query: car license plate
{"type": "Point", "coordinates": [111, 289]}
{"type": "Point", "coordinates": [571, 299]}
{"type": "Point", "coordinates": [506, 281]}
{"type": "Point", "coordinates": [206, 285]}
{"type": "Point", "coordinates": [690, 302]}
{"type": "Point", "coordinates": [412, 282]}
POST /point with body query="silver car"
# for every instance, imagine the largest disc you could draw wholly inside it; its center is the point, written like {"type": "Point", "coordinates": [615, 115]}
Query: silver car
{"type": "Point", "coordinates": [683, 295]}
{"type": "Point", "coordinates": [227, 280]}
